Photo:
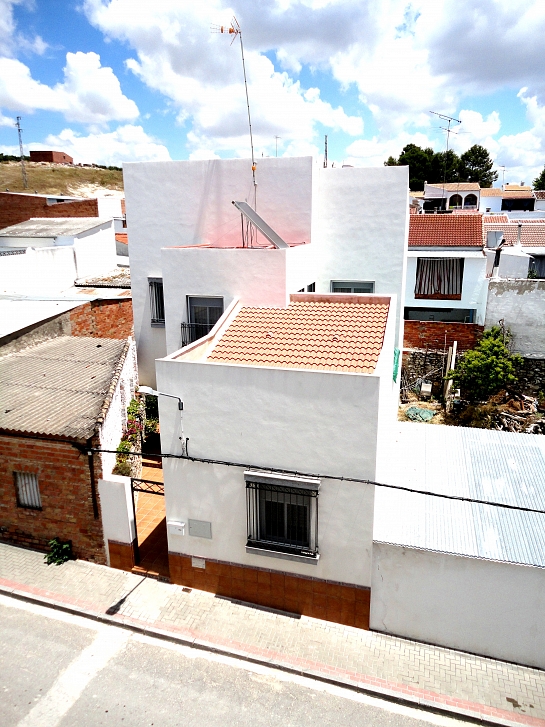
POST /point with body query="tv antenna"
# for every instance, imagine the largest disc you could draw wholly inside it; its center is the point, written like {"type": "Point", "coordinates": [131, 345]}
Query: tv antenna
{"type": "Point", "coordinates": [450, 120]}
{"type": "Point", "coordinates": [23, 170]}
{"type": "Point", "coordinates": [276, 145]}
{"type": "Point", "coordinates": [235, 30]}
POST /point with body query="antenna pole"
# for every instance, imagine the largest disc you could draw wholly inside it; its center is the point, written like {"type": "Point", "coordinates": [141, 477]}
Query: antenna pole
{"type": "Point", "coordinates": [248, 107]}
{"type": "Point", "coordinates": [449, 120]}
{"type": "Point", "coordinates": [276, 145]}
{"type": "Point", "coordinates": [23, 170]}
{"type": "Point", "coordinates": [325, 152]}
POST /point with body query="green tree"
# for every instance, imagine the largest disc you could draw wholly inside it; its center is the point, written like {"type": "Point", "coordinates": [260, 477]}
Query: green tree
{"type": "Point", "coordinates": [445, 167]}
{"type": "Point", "coordinates": [476, 166]}
{"type": "Point", "coordinates": [539, 182]}
{"type": "Point", "coordinates": [487, 368]}
{"type": "Point", "coordinates": [419, 162]}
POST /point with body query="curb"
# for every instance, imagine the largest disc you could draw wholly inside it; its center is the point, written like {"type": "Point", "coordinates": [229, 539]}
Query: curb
{"type": "Point", "coordinates": [389, 695]}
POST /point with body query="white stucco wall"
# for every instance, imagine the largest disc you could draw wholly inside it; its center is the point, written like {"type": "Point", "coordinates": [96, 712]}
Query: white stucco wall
{"type": "Point", "coordinates": [217, 494]}
{"type": "Point", "coordinates": [293, 419]}
{"type": "Point", "coordinates": [256, 277]}
{"type": "Point", "coordinates": [514, 263]}
{"type": "Point", "coordinates": [361, 228]}
{"type": "Point", "coordinates": [109, 207]}
{"type": "Point", "coordinates": [476, 605]}
{"type": "Point", "coordinates": [116, 508]}
{"type": "Point", "coordinates": [521, 304]}
{"type": "Point", "coordinates": [494, 203]}
{"type": "Point", "coordinates": [188, 203]}
{"type": "Point", "coordinates": [115, 419]}
{"type": "Point", "coordinates": [96, 252]}
{"type": "Point", "coordinates": [473, 283]}
{"type": "Point", "coordinates": [44, 271]}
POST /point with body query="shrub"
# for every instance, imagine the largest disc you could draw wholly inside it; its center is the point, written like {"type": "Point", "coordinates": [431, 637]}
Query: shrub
{"type": "Point", "coordinates": [59, 552]}
{"type": "Point", "coordinates": [487, 368]}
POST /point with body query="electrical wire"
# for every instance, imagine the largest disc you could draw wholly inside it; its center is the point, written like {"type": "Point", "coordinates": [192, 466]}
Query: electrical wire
{"type": "Point", "coordinates": [357, 480]}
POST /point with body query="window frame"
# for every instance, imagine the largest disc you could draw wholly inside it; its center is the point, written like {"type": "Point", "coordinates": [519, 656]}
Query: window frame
{"type": "Point", "coordinates": [153, 286]}
{"type": "Point", "coordinates": [352, 284]}
{"type": "Point", "coordinates": [290, 491]}
{"type": "Point", "coordinates": [24, 482]}
{"type": "Point", "coordinates": [424, 278]}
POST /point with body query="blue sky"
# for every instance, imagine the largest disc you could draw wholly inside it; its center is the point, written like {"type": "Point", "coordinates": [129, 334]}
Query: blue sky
{"type": "Point", "coordinates": [109, 81]}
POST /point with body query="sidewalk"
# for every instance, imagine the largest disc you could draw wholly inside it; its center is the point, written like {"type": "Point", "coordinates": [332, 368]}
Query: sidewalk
{"type": "Point", "coordinates": [414, 673]}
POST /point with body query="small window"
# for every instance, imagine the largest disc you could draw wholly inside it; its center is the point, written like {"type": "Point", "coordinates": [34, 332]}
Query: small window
{"type": "Point", "coordinates": [282, 517]}
{"type": "Point", "coordinates": [27, 490]}
{"type": "Point", "coordinates": [203, 315]}
{"type": "Point", "coordinates": [352, 286]}
{"type": "Point", "coordinates": [157, 302]}
{"type": "Point", "coordinates": [439, 278]}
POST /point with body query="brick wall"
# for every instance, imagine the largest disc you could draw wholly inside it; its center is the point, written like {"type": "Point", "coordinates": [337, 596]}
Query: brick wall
{"type": "Point", "coordinates": [65, 490]}
{"type": "Point", "coordinates": [55, 157]}
{"type": "Point", "coordinates": [431, 334]}
{"type": "Point", "coordinates": [326, 600]}
{"type": "Point", "coordinates": [15, 208]}
{"type": "Point", "coordinates": [103, 319]}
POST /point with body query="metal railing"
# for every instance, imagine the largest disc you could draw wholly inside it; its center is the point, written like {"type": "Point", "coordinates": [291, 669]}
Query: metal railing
{"type": "Point", "coordinates": [193, 331]}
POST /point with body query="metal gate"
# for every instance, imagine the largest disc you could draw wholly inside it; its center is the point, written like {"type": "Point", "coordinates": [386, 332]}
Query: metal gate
{"type": "Point", "coordinates": [151, 488]}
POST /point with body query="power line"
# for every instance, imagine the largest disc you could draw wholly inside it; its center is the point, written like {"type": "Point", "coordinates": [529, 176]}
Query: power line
{"type": "Point", "coordinates": [357, 480]}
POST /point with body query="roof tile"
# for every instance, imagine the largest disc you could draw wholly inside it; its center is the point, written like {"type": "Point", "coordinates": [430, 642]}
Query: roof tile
{"type": "Point", "coordinates": [328, 335]}
{"type": "Point", "coordinates": [445, 231]}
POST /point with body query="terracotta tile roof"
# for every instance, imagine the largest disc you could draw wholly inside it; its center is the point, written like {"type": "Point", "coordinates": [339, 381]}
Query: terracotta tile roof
{"type": "Point", "coordinates": [518, 194]}
{"type": "Point", "coordinates": [492, 192]}
{"type": "Point", "coordinates": [471, 211]}
{"type": "Point", "coordinates": [321, 332]}
{"type": "Point", "coordinates": [539, 193]}
{"type": "Point", "coordinates": [517, 188]}
{"type": "Point", "coordinates": [457, 186]}
{"type": "Point", "coordinates": [504, 219]}
{"type": "Point", "coordinates": [445, 230]}
{"type": "Point", "coordinates": [122, 237]}
{"type": "Point", "coordinates": [532, 231]}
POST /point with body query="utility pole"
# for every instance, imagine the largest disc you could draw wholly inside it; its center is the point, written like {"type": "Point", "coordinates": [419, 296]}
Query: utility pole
{"type": "Point", "coordinates": [325, 152]}
{"type": "Point", "coordinates": [23, 170]}
{"type": "Point", "coordinates": [276, 145]}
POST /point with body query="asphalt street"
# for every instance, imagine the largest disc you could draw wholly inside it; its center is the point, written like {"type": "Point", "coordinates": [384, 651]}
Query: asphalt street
{"type": "Point", "coordinates": [58, 670]}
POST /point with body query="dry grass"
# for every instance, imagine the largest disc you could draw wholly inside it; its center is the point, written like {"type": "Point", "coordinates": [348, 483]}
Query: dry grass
{"type": "Point", "coordinates": [56, 178]}
{"type": "Point", "coordinates": [439, 418]}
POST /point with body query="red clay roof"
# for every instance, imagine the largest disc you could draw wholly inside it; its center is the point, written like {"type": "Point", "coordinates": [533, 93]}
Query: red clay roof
{"type": "Point", "coordinates": [539, 194]}
{"type": "Point", "coordinates": [532, 231]}
{"type": "Point", "coordinates": [457, 186]}
{"type": "Point", "coordinates": [322, 332]}
{"type": "Point", "coordinates": [491, 192]}
{"type": "Point", "coordinates": [122, 237]}
{"type": "Point", "coordinates": [445, 231]}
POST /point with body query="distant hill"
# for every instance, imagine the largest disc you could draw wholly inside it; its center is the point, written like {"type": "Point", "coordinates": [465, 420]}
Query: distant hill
{"type": "Point", "coordinates": [60, 179]}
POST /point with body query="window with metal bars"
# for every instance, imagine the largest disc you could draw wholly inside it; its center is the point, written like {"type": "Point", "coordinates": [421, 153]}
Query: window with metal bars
{"type": "Point", "coordinates": [439, 278]}
{"type": "Point", "coordinates": [27, 490]}
{"type": "Point", "coordinates": [281, 517]}
{"type": "Point", "coordinates": [157, 302]}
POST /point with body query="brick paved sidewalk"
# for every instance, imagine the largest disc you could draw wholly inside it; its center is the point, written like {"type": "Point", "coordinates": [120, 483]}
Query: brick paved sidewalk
{"type": "Point", "coordinates": [429, 676]}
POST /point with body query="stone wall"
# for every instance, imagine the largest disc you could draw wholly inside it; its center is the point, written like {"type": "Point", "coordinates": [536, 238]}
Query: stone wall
{"type": "Point", "coordinates": [532, 375]}
{"type": "Point", "coordinates": [419, 364]}
{"type": "Point", "coordinates": [15, 208]}
{"type": "Point", "coordinates": [103, 319]}
{"type": "Point", "coordinates": [437, 335]}
{"type": "Point", "coordinates": [66, 493]}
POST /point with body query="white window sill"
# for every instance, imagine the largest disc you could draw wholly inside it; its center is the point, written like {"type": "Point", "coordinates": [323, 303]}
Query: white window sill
{"type": "Point", "coordinates": [312, 559]}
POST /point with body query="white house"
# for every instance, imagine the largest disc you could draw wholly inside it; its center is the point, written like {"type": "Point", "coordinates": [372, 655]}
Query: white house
{"type": "Point", "coordinates": [338, 234]}
{"type": "Point", "coordinates": [465, 575]}
{"type": "Point", "coordinates": [453, 195]}
{"type": "Point", "coordinates": [58, 251]}
{"type": "Point", "coordinates": [278, 404]}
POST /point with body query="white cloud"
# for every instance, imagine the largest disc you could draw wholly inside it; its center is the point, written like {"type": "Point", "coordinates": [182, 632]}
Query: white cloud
{"type": "Point", "coordinates": [202, 75]}
{"type": "Point", "coordinates": [127, 143]}
{"type": "Point", "coordinates": [374, 152]}
{"type": "Point", "coordinates": [11, 40]}
{"type": "Point", "coordinates": [6, 120]}
{"type": "Point", "coordinates": [90, 93]}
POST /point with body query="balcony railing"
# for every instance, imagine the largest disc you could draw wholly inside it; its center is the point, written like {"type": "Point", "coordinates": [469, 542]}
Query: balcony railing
{"type": "Point", "coordinates": [193, 331]}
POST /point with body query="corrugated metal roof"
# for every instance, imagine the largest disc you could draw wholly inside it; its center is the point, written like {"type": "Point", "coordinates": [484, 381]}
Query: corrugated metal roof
{"type": "Point", "coordinates": [52, 227]}
{"type": "Point", "coordinates": [479, 464]}
{"type": "Point", "coordinates": [58, 387]}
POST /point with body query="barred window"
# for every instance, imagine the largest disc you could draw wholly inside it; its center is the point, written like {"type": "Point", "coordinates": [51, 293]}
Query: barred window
{"type": "Point", "coordinates": [157, 302]}
{"type": "Point", "coordinates": [439, 278]}
{"type": "Point", "coordinates": [282, 513]}
{"type": "Point", "coordinates": [27, 490]}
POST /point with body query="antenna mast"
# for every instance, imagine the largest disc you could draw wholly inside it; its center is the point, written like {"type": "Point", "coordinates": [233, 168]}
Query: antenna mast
{"type": "Point", "coordinates": [325, 152]}
{"type": "Point", "coordinates": [23, 170]}
{"type": "Point", "coordinates": [234, 29]}
{"type": "Point", "coordinates": [449, 120]}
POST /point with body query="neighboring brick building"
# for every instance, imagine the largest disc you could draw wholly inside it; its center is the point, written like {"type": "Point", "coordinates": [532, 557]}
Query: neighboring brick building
{"type": "Point", "coordinates": [16, 207]}
{"type": "Point", "coordinates": [53, 157]}
{"type": "Point", "coordinates": [59, 399]}
{"type": "Point", "coordinates": [438, 336]}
